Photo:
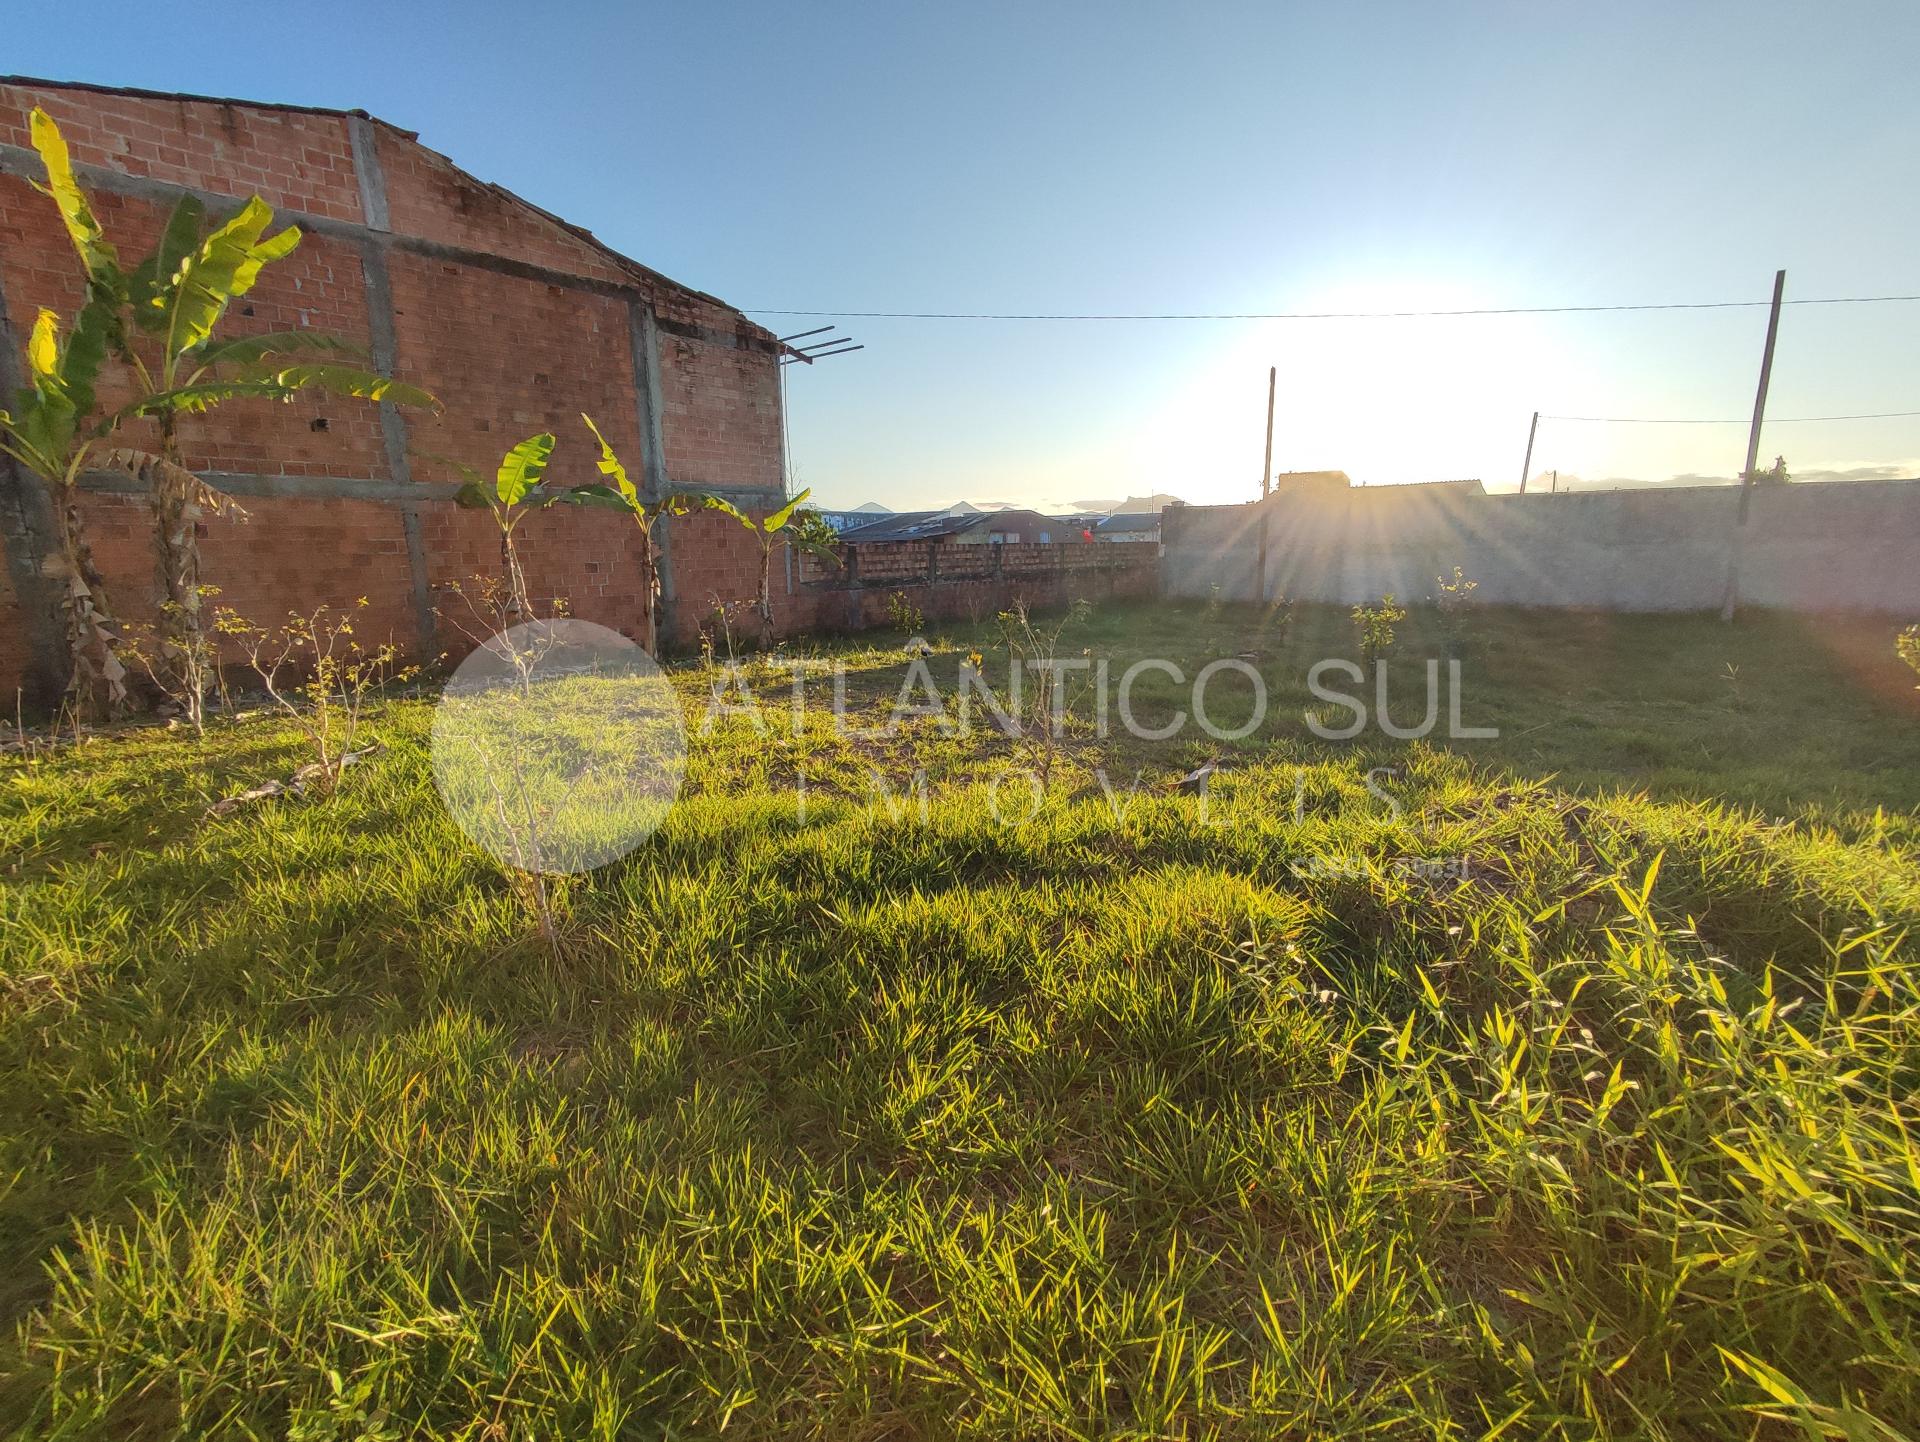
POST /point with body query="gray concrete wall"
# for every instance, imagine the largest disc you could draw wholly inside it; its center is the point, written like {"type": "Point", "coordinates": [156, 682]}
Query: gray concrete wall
{"type": "Point", "coordinates": [1812, 547]}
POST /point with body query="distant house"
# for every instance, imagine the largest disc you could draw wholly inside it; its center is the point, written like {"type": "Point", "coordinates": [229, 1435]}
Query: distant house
{"type": "Point", "coordinates": [1317, 480]}
{"type": "Point", "coordinates": [844, 521]}
{"type": "Point", "coordinates": [1461, 488]}
{"type": "Point", "coordinates": [899, 526]}
{"type": "Point", "coordinates": [1130, 526]}
{"type": "Point", "coordinates": [1322, 482]}
{"type": "Point", "coordinates": [969, 528]}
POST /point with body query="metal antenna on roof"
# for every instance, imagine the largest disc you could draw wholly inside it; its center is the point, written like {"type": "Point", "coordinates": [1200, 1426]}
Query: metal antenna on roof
{"type": "Point", "coordinates": [819, 350]}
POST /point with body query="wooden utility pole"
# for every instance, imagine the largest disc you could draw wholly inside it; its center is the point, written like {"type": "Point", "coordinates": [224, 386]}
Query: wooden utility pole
{"type": "Point", "coordinates": [1266, 468]}
{"type": "Point", "coordinates": [1527, 464]}
{"type": "Point", "coordinates": [1753, 450]}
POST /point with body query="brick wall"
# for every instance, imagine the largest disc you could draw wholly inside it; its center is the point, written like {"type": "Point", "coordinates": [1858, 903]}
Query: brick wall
{"type": "Point", "coordinates": [945, 581]}
{"type": "Point", "coordinates": [515, 319]}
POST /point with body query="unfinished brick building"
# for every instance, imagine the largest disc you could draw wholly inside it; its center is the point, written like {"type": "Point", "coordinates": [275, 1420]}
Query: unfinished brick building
{"type": "Point", "coordinates": [515, 319]}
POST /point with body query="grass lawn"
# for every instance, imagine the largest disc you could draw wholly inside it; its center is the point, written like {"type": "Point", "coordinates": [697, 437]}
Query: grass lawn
{"type": "Point", "coordinates": [1569, 1094]}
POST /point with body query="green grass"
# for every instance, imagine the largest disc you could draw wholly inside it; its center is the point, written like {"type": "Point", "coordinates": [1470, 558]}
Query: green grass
{"type": "Point", "coordinates": [1186, 1119]}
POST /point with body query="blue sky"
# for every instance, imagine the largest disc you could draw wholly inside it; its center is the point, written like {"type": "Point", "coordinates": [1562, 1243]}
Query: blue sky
{"type": "Point", "coordinates": [1230, 157]}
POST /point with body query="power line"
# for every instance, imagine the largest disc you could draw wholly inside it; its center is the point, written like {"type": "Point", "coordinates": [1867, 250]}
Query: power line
{"type": "Point", "coordinates": [1325, 314]}
{"type": "Point", "coordinates": [1733, 421]}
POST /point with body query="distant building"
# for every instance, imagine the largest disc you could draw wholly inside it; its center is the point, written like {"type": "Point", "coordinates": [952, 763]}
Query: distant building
{"type": "Point", "coordinates": [844, 521]}
{"type": "Point", "coordinates": [969, 528]}
{"type": "Point", "coordinates": [1464, 488]}
{"type": "Point", "coordinates": [1319, 482]}
{"type": "Point", "coordinates": [1129, 526]}
{"type": "Point", "coordinates": [1312, 478]}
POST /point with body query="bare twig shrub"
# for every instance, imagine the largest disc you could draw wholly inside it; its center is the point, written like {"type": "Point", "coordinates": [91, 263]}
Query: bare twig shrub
{"type": "Point", "coordinates": [317, 673]}
{"type": "Point", "coordinates": [1040, 712]}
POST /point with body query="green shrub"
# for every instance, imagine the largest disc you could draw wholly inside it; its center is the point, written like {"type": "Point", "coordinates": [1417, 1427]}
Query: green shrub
{"type": "Point", "coordinates": [903, 614]}
{"type": "Point", "coordinates": [1280, 618]}
{"type": "Point", "coordinates": [1453, 598]}
{"type": "Point", "coordinates": [1375, 625]}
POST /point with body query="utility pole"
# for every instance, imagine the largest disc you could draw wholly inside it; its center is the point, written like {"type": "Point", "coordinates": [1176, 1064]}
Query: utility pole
{"type": "Point", "coordinates": [1553, 486]}
{"type": "Point", "coordinates": [1753, 450]}
{"type": "Point", "coordinates": [1266, 468]}
{"type": "Point", "coordinates": [1527, 464]}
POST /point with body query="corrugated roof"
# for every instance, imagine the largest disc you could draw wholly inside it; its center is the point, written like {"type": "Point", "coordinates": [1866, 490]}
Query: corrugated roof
{"type": "Point", "coordinates": [932, 525]}
{"type": "Point", "coordinates": [911, 526]}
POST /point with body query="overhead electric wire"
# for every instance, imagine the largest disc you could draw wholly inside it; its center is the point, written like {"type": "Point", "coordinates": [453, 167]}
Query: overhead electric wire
{"type": "Point", "coordinates": [1730, 421]}
{"type": "Point", "coordinates": [1325, 314]}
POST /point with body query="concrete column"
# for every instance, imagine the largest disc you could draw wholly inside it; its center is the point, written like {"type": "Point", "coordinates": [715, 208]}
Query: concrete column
{"type": "Point", "coordinates": [384, 344]}
{"type": "Point", "coordinates": [366, 170]}
{"type": "Point", "coordinates": [31, 535]}
{"type": "Point", "coordinates": [643, 336]}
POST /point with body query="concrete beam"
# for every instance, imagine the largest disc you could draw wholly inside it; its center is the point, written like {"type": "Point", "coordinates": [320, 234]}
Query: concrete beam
{"type": "Point", "coordinates": [303, 488]}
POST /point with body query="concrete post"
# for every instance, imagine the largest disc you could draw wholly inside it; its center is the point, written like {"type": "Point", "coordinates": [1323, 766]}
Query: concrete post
{"type": "Point", "coordinates": [1737, 547]}
{"type": "Point", "coordinates": [1260, 563]}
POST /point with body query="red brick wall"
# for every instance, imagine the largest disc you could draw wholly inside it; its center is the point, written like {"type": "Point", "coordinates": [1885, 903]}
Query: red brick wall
{"type": "Point", "coordinates": [947, 582]}
{"type": "Point", "coordinates": [722, 406]}
{"type": "Point", "coordinates": [292, 159]}
{"type": "Point", "coordinates": [508, 354]}
{"type": "Point", "coordinates": [429, 196]}
{"type": "Point", "coordinates": [510, 358]}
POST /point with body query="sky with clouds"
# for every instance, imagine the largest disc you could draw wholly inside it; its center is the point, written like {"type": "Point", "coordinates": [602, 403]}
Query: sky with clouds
{"type": "Point", "coordinates": [1244, 157]}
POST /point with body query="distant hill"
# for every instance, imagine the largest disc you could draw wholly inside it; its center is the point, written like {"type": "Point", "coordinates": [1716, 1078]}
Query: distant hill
{"type": "Point", "coordinates": [1158, 501]}
{"type": "Point", "coordinates": [1812, 475]}
{"type": "Point", "coordinates": [1132, 505]}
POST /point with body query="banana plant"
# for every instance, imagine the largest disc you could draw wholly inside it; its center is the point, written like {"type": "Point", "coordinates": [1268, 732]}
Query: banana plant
{"type": "Point", "coordinates": [622, 494]}
{"type": "Point", "coordinates": [52, 432]}
{"type": "Point", "coordinates": [519, 489]}
{"type": "Point", "coordinates": [802, 530]}
{"type": "Point", "coordinates": [159, 320]}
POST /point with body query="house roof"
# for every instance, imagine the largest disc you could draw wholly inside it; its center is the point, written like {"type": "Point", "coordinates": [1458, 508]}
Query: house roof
{"type": "Point", "coordinates": [1472, 487]}
{"type": "Point", "coordinates": [910, 526]}
{"type": "Point", "coordinates": [1340, 481]}
{"type": "Point", "coordinates": [933, 525]}
{"type": "Point", "coordinates": [619, 259]}
{"type": "Point", "coordinates": [1130, 521]}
